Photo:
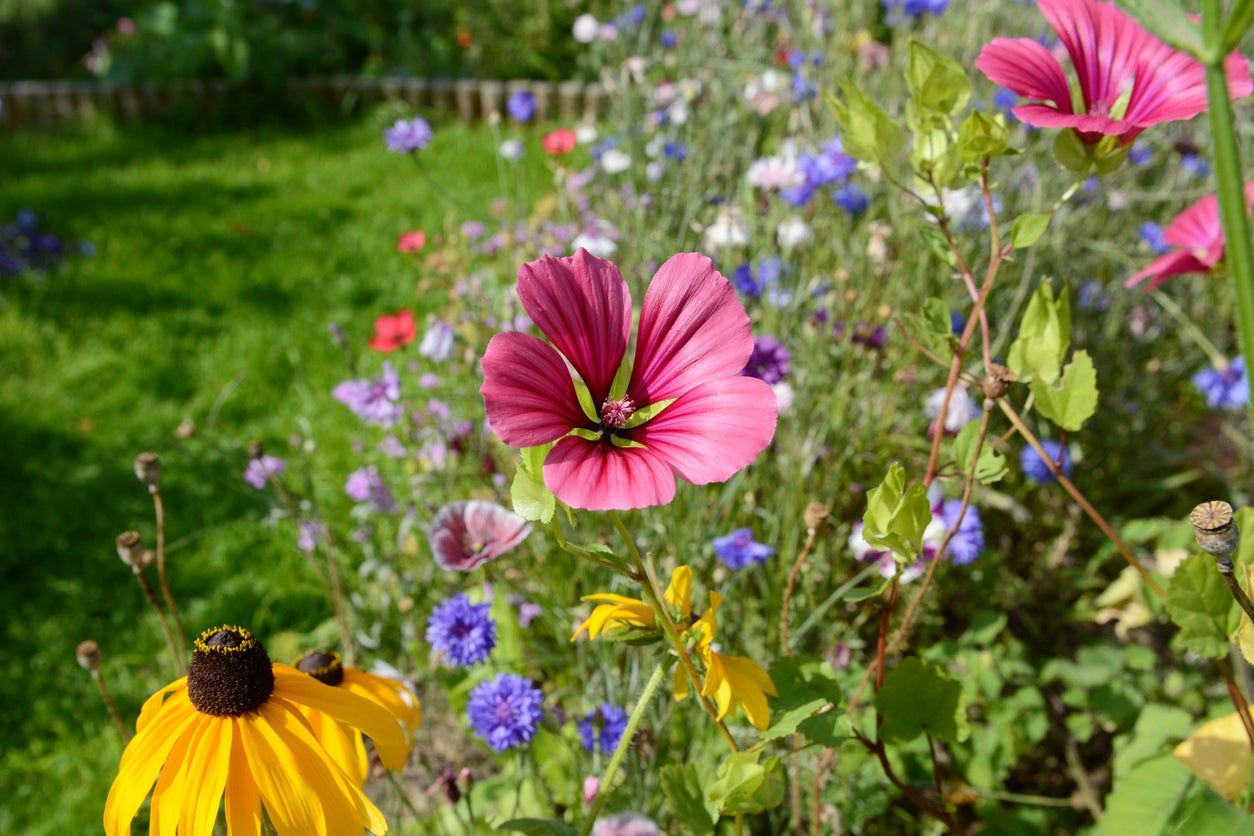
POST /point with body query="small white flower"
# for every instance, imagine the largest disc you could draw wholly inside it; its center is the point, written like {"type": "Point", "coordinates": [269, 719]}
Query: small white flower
{"type": "Point", "coordinates": [962, 408]}
{"type": "Point", "coordinates": [635, 66]}
{"type": "Point", "coordinates": [728, 230]}
{"type": "Point", "coordinates": [654, 170]}
{"type": "Point", "coordinates": [678, 112]}
{"type": "Point", "coordinates": [614, 161]}
{"type": "Point", "coordinates": [596, 243]}
{"type": "Point", "coordinates": [778, 171]}
{"type": "Point", "coordinates": [585, 29]}
{"type": "Point", "coordinates": [794, 232]}
{"type": "Point", "coordinates": [688, 7]}
{"type": "Point", "coordinates": [512, 149]}
{"type": "Point", "coordinates": [437, 343]}
{"type": "Point", "coordinates": [585, 133]}
{"type": "Point", "coordinates": [783, 395]}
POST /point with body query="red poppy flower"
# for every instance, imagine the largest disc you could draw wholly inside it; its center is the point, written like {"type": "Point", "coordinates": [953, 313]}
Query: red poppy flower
{"type": "Point", "coordinates": [558, 142]}
{"type": "Point", "coordinates": [391, 331]}
{"type": "Point", "coordinates": [411, 242]}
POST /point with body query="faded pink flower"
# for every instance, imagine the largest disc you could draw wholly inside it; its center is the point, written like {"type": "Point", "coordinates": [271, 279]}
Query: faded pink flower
{"type": "Point", "coordinates": [466, 535]}
{"type": "Point", "coordinates": [1128, 79]}
{"type": "Point", "coordinates": [1197, 239]}
{"type": "Point", "coordinates": [692, 342]}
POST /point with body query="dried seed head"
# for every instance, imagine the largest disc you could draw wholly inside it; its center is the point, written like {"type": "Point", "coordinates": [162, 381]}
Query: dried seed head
{"type": "Point", "coordinates": [88, 655]}
{"type": "Point", "coordinates": [998, 380]}
{"type": "Point", "coordinates": [148, 469]}
{"type": "Point", "coordinates": [130, 549]}
{"type": "Point", "coordinates": [815, 513]}
{"type": "Point", "coordinates": [1215, 528]}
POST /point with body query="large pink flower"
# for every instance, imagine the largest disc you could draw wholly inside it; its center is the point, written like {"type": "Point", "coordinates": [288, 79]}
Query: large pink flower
{"type": "Point", "coordinates": [1197, 238]}
{"type": "Point", "coordinates": [693, 340]}
{"type": "Point", "coordinates": [1128, 79]}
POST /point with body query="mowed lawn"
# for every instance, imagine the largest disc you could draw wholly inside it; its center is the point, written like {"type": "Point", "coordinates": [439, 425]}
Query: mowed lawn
{"type": "Point", "coordinates": [220, 261]}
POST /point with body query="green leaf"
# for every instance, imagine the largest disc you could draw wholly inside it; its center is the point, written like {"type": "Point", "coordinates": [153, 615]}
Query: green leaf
{"type": "Point", "coordinates": [934, 155]}
{"type": "Point", "coordinates": [896, 516]}
{"type": "Point", "coordinates": [937, 83]}
{"type": "Point", "coordinates": [1044, 335]}
{"type": "Point", "coordinates": [1169, 23]}
{"type": "Point", "coordinates": [805, 685]}
{"type": "Point", "coordinates": [1199, 603]}
{"type": "Point", "coordinates": [869, 132]}
{"type": "Point", "coordinates": [681, 784]}
{"type": "Point", "coordinates": [745, 786]}
{"type": "Point", "coordinates": [981, 135]}
{"type": "Point", "coordinates": [537, 827]}
{"type": "Point", "coordinates": [991, 466]}
{"type": "Point", "coordinates": [1073, 399]}
{"type": "Point", "coordinates": [1071, 153]}
{"type": "Point", "coordinates": [531, 498]}
{"type": "Point", "coordinates": [919, 697]}
{"type": "Point", "coordinates": [932, 327]}
{"type": "Point", "coordinates": [830, 729]}
{"type": "Point", "coordinates": [592, 410]}
{"type": "Point", "coordinates": [1144, 801]}
{"type": "Point", "coordinates": [1240, 17]}
{"type": "Point", "coordinates": [1028, 229]}
{"type": "Point", "coordinates": [648, 412]}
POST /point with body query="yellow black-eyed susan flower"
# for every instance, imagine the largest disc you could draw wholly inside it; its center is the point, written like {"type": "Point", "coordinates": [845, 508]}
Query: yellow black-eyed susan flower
{"type": "Point", "coordinates": [234, 728]}
{"type": "Point", "coordinates": [341, 740]}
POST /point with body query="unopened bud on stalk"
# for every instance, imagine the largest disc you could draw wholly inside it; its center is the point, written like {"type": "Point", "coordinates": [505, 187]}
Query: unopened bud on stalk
{"type": "Point", "coordinates": [1215, 528]}
{"type": "Point", "coordinates": [88, 655]}
{"type": "Point", "coordinates": [998, 380]}
{"type": "Point", "coordinates": [130, 549]}
{"type": "Point", "coordinates": [815, 513]}
{"type": "Point", "coordinates": [148, 469]}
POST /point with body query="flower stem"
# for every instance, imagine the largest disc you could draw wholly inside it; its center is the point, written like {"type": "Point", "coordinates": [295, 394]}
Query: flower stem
{"type": "Point", "coordinates": [570, 548]}
{"type": "Point", "coordinates": [110, 706]}
{"type": "Point", "coordinates": [168, 596]}
{"type": "Point", "coordinates": [624, 743]}
{"type": "Point", "coordinates": [668, 625]}
{"type": "Point", "coordinates": [175, 657]}
{"type": "Point", "coordinates": [1238, 253]}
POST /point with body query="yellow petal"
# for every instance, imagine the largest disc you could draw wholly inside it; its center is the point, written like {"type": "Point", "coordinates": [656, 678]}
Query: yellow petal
{"type": "Point", "coordinates": [359, 713]}
{"type": "Point", "coordinates": [393, 695]}
{"type": "Point", "coordinates": [707, 624]}
{"type": "Point", "coordinates": [207, 768]}
{"type": "Point", "coordinates": [1218, 752]}
{"type": "Point", "coordinates": [243, 800]}
{"type": "Point", "coordinates": [293, 807]}
{"type": "Point", "coordinates": [156, 700]}
{"type": "Point", "coordinates": [342, 744]}
{"type": "Point", "coordinates": [168, 797]}
{"type": "Point", "coordinates": [749, 685]}
{"type": "Point", "coordinates": [142, 760]}
{"type": "Point", "coordinates": [679, 685]}
{"type": "Point", "coordinates": [1245, 630]}
{"type": "Point", "coordinates": [679, 590]}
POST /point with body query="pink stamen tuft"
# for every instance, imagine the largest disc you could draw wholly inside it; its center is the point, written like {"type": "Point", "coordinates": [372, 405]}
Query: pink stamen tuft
{"type": "Point", "coordinates": [615, 413]}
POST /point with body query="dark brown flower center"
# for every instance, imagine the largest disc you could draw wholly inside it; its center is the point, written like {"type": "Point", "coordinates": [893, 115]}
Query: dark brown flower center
{"type": "Point", "coordinates": [323, 665]}
{"type": "Point", "coordinates": [230, 673]}
{"type": "Point", "coordinates": [615, 413]}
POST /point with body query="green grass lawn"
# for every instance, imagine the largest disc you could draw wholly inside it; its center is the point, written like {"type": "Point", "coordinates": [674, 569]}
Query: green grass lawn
{"type": "Point", "coordinates": [220, 261]}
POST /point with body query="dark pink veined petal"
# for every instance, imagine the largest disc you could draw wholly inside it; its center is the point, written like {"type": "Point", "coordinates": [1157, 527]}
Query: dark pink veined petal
{"type": "Point", "coordinates": [1196, 228]}
{"type": "Point", "coordinates": [583, 306]}
{"type": "Point", "coordinates": [1026, 68]}
{"type": "Point", "coordinates": [692, 329]}
{"type": "Point", "coordinates": [1043, 116]}
{"type": "Point", "coordinates": [599, 476]}
{"type": "Point", "coordinates": [714, 430]}
{"type": "Point", "coordinates": [528, 391]}
{"type": "Point", "coordinates": [1105, 46]}
{"type": "Point", "coordinates": [465, 535]}
{"type": "Point", "coordinates": [1176, 263]}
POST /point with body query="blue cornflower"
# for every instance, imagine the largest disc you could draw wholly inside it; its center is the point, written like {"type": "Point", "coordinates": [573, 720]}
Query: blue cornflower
{"type": "Point", "coordinates": [957, 322]}
{"type": "Point", "coordinates": [408, 135]}
{"type": "Point", "coordinates": [967, 544]}
{"type": "Point", "coordinates": [668, 39]}
{"type": "Point", "coordinates": [830, 166]}
{"type": "Point", "coordinates": [1034, 467]}
{"type": "Point", "coordinates": [505, 711]}
{"type": "Point", "coordinates": [462, 631]}
{"type": "Point", "coordinates": [770, 360]}
{"type": "Point", "coordinates": [739, 549]}
{"type": "Point", "coordinates": [1004, 99]}
{"type": "Point", "coordinates": [1227, 388]}
{"type": "Point", "coordinates": [676, 151]}
{"type": "Point", "coordinates": [521, 106]}
{"type": "Point", "coordinates": [1140, 155]}
{"type": "Point", "coordinates": [1152, 235]}
{"type": "Point", "coordinates": [602, 726]}
{"type": "Point", "coordinates": [851, 198]}
{"type": "Point", "coordinates": [1194, 164]}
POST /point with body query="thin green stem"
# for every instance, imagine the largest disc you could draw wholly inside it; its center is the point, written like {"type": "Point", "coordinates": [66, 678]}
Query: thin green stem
{"type": "Point", "coordinates": [1190, 328]}
{"type": "Point", "coordinates": [583, 554]}
{"type": "Point", "coordinates": [624, 743]}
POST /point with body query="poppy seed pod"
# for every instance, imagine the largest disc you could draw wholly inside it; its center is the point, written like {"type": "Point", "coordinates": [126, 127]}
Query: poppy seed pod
{"type": "Point", "coordinates": [88, 655]}
{"type": "Point", "coordinates": [148, 469]}
{"type": "Point", "coordinates": [815, 513]}
{"type": "Point", "coordinates": [997, 381]}
{"type": "Point", "coordinates": [1215, 529]}
{"type": "Point", "coordinates": [131, 549]}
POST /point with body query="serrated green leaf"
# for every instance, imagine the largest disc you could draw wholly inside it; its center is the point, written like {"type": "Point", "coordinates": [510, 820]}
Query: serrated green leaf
{"type": "Point", "coordinates": [897, 515]}
{"type": "Point", "coordinates": [745, 786]}
{"type": "Point", "coordinates": [1028, 229]}
{"type": "Point", "coordinates": [531, 498]}
{"type": "Point", "coordinates": [918, 697]}
{"type": "Point", "coordinates": [1072, 400]}
{"type": "Point", "coordinates": [932, 327]}
{"type": "Point", "coordinates": [868, 132]}
{"type": "Point", "coordinates": [1199, 603]}
{"type": "Point", "coordinates": [681, 784]}
{"type": "Point", "coordinates": [830, 729]}
{"type": "Point", "coordinates": [991, 466]}
{"type": "Point", "coordinates": [1044, 335]}
{"type": "Point", "coordinates": [983, 135]}
{"type": "Point", "coordinates": [937, 83]}
{"type": "Point", "coordinates": [805, 685]}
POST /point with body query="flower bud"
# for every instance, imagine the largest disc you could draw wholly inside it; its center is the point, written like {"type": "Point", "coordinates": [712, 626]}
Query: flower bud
{"type": "Point", "coordinates": [148, 469]}
{"type": "Point", "coordinates": [131, 549]}
{"type": "Point", "coordinates": [88, 655]}
{"type": "Point", "coordinates": [591, 786]}
{"type": "Point", "coordinates": [998, 380]}
{"type": "Point", "coordinates": [1215, 529]}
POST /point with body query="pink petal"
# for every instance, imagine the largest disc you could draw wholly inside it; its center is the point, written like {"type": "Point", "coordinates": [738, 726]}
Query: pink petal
{"type": "Point", "coordinates": [465, 535]}
{"type": "Point", "coordinates": [1027, 68]}
{"type": "Point", "coordinates": [583, 306]}
{"type": "Point", "coordinates": [528, 391]}
{"type": "Point", "coordinates": [1043, 116]}
{"type": "Point", "coordinates": [598, 476]}
{"type": "Point", "coordinates": [498, 529]}
{"type": "Point", "coordinates": [714, 430]}
{"type": "Point", "coordinates": [1196, 228]}
{"type": "Point", "coordinates": [692, 329]}
{"type": "Point", "coordinates": [1105, 46]}
{"type": "Point", "coordinates": [1164, 267]}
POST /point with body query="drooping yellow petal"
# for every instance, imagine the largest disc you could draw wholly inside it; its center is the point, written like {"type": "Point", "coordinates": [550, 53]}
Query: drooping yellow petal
{"type": "Point", "coordinates": [209, 760]}
{"type": "Point", "coordinates": [243, 800]}
{"type": "Point", "coordinates": [142, 760]}
{"type": "Point", "coordinates": [1218, 752]}
{"type": "Point", "coordinates": [393, 695]}
{"type": "Point", "coordinates": [738, 681]}
{"type": "Point", "coordinates": [342, 744]}
{"type": "Point", "coordinates": [620, 612]}
{"type": "Point", "coordinates": [156, 700]}
{"type": "Point", "coordinates": [707, 624]}
{"type": "Point", "coordinates": [679, 684]}
{"type": "Point", "coordinates": [293, 806]}
{"type": "Point", "coordinates": [346, 808]}
{"type": "Point", "coordinates": [357, 712]}
{"type": "Point", "coordinates": [168, 797]}
{"type": "Point", "coordinates": [679, 590]}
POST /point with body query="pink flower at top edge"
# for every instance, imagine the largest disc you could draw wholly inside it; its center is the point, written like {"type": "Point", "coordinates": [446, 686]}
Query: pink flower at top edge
{"type": "Point", "coordinates": [558, 142]}
{"type": "Point", "coordinates": [692, 342]}
{"type": "Point", "coordinates": [411, 242]}
{"type": "Point", "coordinates": [1115, 60]}
{"type": "Point", "coordinates": [1197, 240]}
{"type": "Point", "coordinates": [392, 331]}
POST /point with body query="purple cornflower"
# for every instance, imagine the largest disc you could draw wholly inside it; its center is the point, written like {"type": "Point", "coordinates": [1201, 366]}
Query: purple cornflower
{"type": "Point", "coordinates": [310, 534]}
{"type": "Point", "coordinates": [505, 711]}
{"type": "Point", "coordinates": [462, 632]}
{"type": "Point", "coordinates": [668, 39]}
{"type": "Point", "coordinates": [967, 544]}
{"type": "Point", "coordinates": [676, 151]}
{"type": "Point", "coordinates": [374, 401]}
{"type": "Point", "coordinates": [769, 361]}
{"type": "Point", "coordinates": [1227, 388]}
{"type": "Point", "coordinates": [1194, 164]}
{"type": "Point", "coordinates": [1140, 155]}
{"type": "Point", "coordinates": [260, 470]}
{"type": "Point", "coordinates": [408, 135]}
{"type": "Point", "coordinates": [602, 726]}
{"type": "Point", "coordinates": [366, 485]}
{"type": "Point", "coordinates": [851, 198]}
{"type": "Point", "coordinates": [521, 106]}
{"type": "Point", "coordinates": [1152, 235]}
{"type": "Point", "coordinates": [917, 8]}
{"type": "Point", "coordinates": [831, 166]}
{"type": "Point", "coordinates": [739, 549]}
{"type": "Point", "coordinates": [869, 336]}
{"type": "Point", "coordinates": [1034, 467]}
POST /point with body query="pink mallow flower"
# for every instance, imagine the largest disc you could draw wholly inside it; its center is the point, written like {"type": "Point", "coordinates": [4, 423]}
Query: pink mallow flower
{"type": "Point", "coordinates": [466, 535]}
{"type": "Point", "coordinates": [1128, 79]}
{"type": "Point", "coordinates": [1196, 237]}
{"type": "Point", "coordinates": [692, 342]}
